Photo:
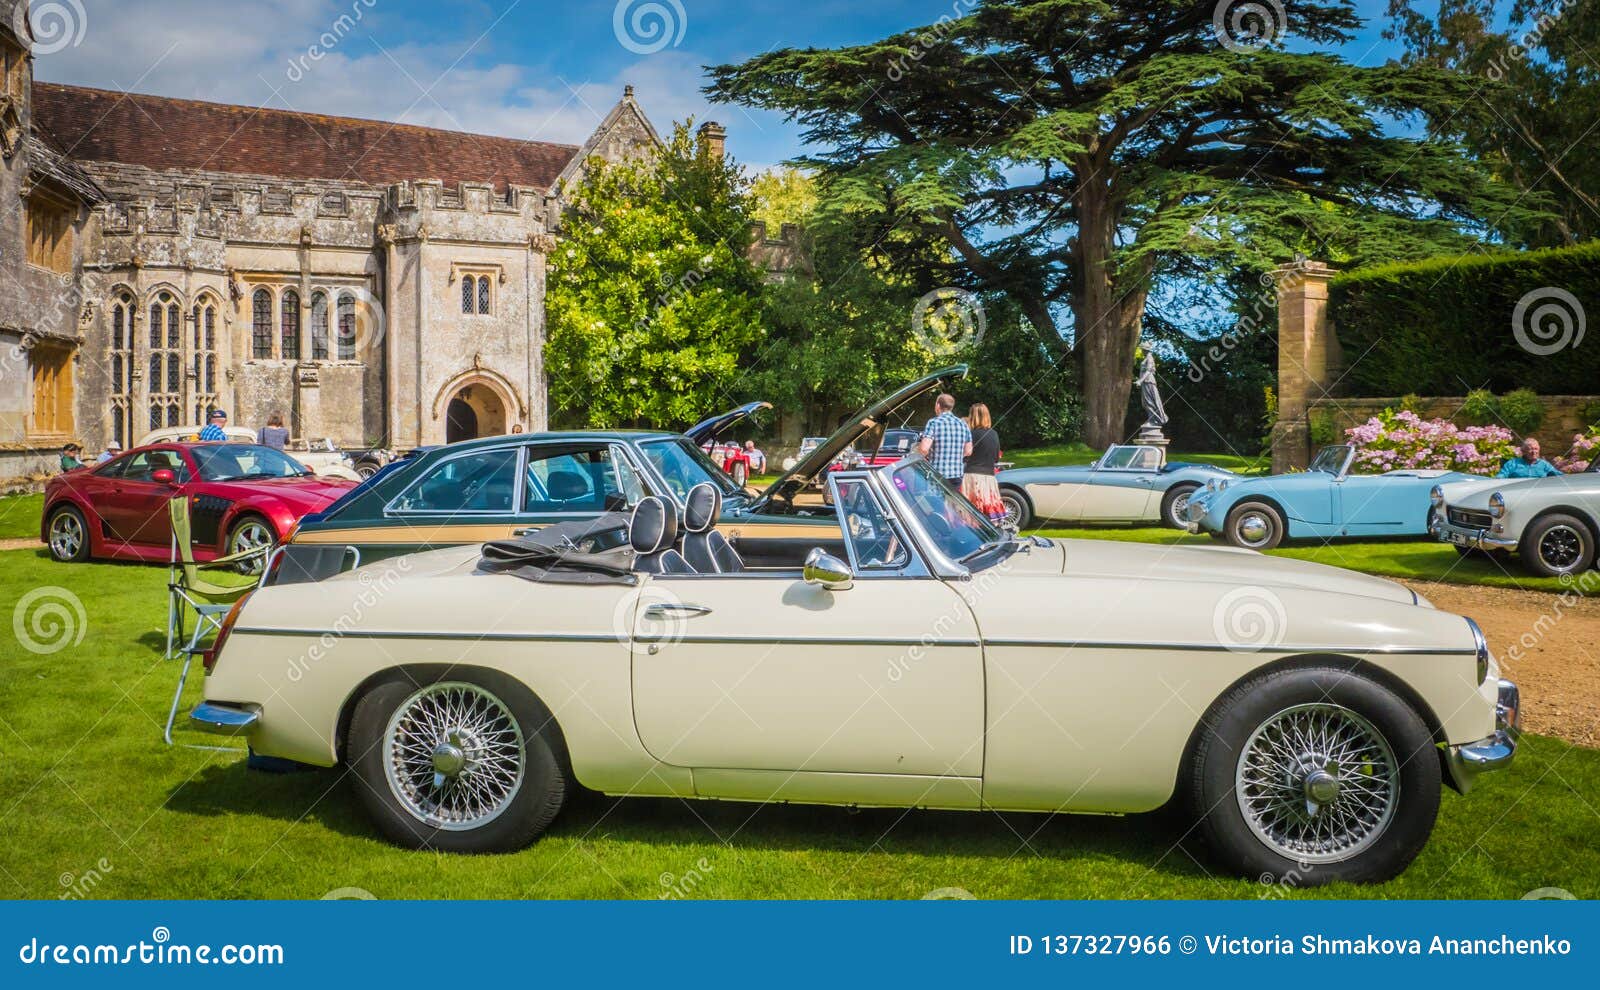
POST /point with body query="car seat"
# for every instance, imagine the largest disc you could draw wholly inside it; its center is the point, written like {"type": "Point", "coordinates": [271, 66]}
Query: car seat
{"type": "Point", "coordinates": [707, 550]}
{"type": "Point", "coordinates": [653, 532]}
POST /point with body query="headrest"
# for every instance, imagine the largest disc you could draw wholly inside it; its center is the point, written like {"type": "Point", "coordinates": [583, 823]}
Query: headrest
{"type": "Point", "coordinates": [564, 486]}
{"type": "Point", "coordinates": [654, 525]}
{"type": "Point", "coordinates": [703, 507]}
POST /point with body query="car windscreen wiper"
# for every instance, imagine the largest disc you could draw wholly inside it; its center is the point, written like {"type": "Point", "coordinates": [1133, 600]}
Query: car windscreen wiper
{"type": "Point", "coordinates": [987, 547]}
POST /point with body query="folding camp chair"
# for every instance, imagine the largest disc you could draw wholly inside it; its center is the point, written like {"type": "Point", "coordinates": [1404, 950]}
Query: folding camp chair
{"type": "Point", "coordinates": [189, 589]}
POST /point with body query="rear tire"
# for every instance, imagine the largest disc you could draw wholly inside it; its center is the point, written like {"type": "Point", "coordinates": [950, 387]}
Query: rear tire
{"type": "Point", "coordinates": [466, 764]}
{"type": "Point", "coordinates": [1557, 544]}
{"type": "Point", "coordinates": [1278, 803]}
{"type": "Point", "coordinates": [740, 472]}
{"type": "Point", "coordinates": [1175, 503]}
{"type": "Point", "coordinates": [1254, 526]}
{"type": "Point", "coordinates": [68, 535]}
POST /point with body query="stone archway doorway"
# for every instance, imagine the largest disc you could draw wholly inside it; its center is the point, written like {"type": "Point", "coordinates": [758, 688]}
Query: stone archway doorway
{"type": "Point", "coordinates": [474, 411]}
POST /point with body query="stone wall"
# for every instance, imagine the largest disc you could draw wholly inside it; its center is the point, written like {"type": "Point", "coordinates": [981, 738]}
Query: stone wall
{"type": "Point", "coordinates": [1563, 415]}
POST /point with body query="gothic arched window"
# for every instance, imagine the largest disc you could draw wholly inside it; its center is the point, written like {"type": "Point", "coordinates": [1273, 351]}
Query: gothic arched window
{"type": "Point", "coordinates": [122, 311]}
{"type": "Point", "coordinates": [261, 324]}
{"type": "Point", "coordinates": [347, 327]}
{"type": "Point", "coordinates": [319, 326]}
{"type": "Point", "coordinates": [166, 362]}
{"type": "Point", "coordinates": [483, 295]}
{"type": "Point", "coordinates": [291, 325]}
{"type": "Point", "coordinates": [204, 357]}
{"type": "Point", "coordinates": [468, 294]}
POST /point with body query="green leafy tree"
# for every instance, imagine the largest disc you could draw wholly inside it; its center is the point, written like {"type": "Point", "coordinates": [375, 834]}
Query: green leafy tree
{"type": "Point", "coordinates": [1539, 95]}
{"type": "Point", "coordinates": [651, 299]}
{"type": "Point", "coordinates": [783, 195]}
{"type": "Point", "coordinates": [1072, 152]}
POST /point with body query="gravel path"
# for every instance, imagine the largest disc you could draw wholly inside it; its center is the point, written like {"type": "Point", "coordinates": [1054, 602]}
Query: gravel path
{"type": "Point", "coordinates": [1549, 644]}
{"type": "Point", "coordinates": [29, 544]}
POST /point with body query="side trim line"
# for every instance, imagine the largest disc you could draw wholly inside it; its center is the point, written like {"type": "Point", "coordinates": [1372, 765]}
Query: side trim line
{"type": "Point", "coordinates": [1239, 648]}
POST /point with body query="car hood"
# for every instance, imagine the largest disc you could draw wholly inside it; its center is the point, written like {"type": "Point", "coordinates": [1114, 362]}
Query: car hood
{"type": "Point", "coordinates": [1225, 565]}
{"type": "Point", "coordinates": [794, 480]}
{"type": "Point", "coordinates": [708, 430]}
{"type": "Point", "coordinates": [303, 494]}
{"type": "Point", "coordinates": [1475, 494]}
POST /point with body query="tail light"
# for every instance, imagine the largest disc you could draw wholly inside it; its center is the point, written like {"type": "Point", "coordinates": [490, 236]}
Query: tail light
{"type": "Point", "coordinates": [209, 657]}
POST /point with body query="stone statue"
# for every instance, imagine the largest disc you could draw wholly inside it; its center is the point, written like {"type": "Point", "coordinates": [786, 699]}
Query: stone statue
{"type": "Point", "coordinates": [1155, 412]}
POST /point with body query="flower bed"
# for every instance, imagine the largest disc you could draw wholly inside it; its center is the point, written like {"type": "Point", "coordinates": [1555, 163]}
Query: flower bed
{"type": "Point", "coordinates": [1401, 441]}
{"type": "Point", "coordinates": [1582, 453]}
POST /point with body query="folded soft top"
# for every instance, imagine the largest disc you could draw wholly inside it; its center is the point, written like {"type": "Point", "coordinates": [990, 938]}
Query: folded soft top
{"type": "Point", "coordinates": [588, 551]}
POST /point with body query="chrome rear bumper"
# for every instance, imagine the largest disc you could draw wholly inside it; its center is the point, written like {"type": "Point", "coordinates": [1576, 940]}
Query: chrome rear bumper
{"type": "Point", "coordinates": [223, 719]}
{"type": "Point", "coordinates": [1466, 761]}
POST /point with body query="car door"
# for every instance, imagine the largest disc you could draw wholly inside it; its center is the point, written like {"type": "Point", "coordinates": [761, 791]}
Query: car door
{"type": "Point", "coordinates": [773, 688]}
{"type": "Point", "coordinates": [1382, 504]}
{"type": "Point", "coordinates": [134, 507]}
{"type": "Point", "coordinates": [1122, 488]}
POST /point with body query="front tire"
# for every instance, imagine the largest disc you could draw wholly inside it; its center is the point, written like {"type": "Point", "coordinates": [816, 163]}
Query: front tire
{"type": "Point", "coordinates": [1254, 526]}
{"type": "Point", "coordinates": [740, 473]}
{"type": "Point", "coordinates": [1175, 504]}
{"type": "Point", "coordinates": [1557, 544]}
{"type": "Point", "coordinates": [1019, 514]}
{"type": "Point", "coordinates": [464, 765]}
{"type": "Point", "coordinates": [248, 533]}
{"type": "Point", "coordinates": [68, 536]}
{"type": "Point", "coordinates": [1315, 775]}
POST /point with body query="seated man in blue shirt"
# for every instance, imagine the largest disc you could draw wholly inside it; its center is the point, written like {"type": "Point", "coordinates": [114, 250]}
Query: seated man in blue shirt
{"type": "Point", "coordinates": [1529, 464]}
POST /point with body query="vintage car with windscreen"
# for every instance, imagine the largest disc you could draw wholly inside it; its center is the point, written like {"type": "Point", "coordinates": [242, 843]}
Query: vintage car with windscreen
{"type": "Point", "coordinates": [1551, 525]}
{"type": "Point", "coordinates": [1129, 483]}
{"type": "Point", "coordinates": [933, 661]}
{"type": "Point", "coordinates": [496, 487]}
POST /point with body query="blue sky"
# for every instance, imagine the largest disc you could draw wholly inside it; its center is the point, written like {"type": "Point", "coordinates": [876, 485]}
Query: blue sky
{"type": "Point", "coordinates": [520, 68]}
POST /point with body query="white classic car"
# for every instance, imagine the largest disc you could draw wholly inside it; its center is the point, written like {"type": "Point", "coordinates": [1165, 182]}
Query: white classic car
{"type": "Point", "coordinates": [1305, 714]}
{"type": "Point", "coordinates": [1551, 524]}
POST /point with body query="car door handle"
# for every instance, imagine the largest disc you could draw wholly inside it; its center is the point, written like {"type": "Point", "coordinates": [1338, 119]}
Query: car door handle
{"type": "Point", "coordinates": [527, 531]}
{"type": "Point", "coordinates": [669, 610]}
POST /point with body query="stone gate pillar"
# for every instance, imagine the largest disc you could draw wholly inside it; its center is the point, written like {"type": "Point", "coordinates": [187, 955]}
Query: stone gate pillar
{"type": "Point", "coordinates": [1308, 355]}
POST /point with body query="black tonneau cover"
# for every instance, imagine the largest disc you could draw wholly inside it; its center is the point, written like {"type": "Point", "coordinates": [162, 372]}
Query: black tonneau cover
{"type": "Point", "coordinates": [589, 551]}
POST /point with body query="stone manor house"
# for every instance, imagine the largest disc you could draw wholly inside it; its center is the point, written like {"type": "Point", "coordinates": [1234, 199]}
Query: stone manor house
{"type": "Point", "coordinates": [376, 283]}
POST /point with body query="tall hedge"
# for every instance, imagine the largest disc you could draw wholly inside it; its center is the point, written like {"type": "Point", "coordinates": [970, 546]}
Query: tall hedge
{"type": "Point", "coordinates": [1445, 326]}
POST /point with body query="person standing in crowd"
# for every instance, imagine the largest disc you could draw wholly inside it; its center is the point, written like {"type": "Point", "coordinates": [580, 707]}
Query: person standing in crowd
{"type": "Point", "coordinates": [978, 484]}
{"type": "Point", "coordinates": [273, 434]}
{"type": "Point", "coordinates": [946, 441]}
{"type": "Point", "coordinates": [70, 458]}
{"type": "Point", "coordinates": [112, 449]}
{"type": "Point", "coordinates": [1528, 464]}
{"type": "Point", "coordinates": [213, 431]}
{"type": "Point", "coordinates": [758, 460]}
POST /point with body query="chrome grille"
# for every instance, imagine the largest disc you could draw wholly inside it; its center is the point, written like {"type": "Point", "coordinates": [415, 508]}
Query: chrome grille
{"type": "Point", "coordinates": [1470, 519]}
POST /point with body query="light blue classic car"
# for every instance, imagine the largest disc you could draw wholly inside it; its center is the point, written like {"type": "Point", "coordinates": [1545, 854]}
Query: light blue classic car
{"type": "Point", "coordinates": [1325, 502]}
{"type": "Point", "coordinates": [1129, 483]}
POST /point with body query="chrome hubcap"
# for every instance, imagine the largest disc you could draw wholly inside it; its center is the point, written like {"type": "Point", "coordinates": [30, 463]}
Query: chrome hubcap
{"type": "Point", "coordinates": [1317, 783]}
{"type": "Point", "coordinates": [1561, 547]}
{"type": "Point", "coordinates": [248, 537]}
{"type": "Point", "coordinates": [1254, 528]}
{"type": "Point", "coordinates": [1180, 509]}
{"type": "Point", "coordinates": [66, 535]}
{"type": "Point", "coordinates": [454, 756]}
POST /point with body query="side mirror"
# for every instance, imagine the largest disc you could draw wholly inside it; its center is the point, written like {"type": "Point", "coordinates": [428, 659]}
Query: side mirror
{"type": "Point", "coordinates": [825, 570]}
{"type": "Point", "coordinates": [163, 476]}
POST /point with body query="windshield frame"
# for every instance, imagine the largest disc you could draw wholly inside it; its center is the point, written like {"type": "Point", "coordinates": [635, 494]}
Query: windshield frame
{"type": "Point", "coordinates": [911, 520]}
{"type": "Point", "coordinates": [202, 454]}
{"type": "Point", "coordinates": [1344, 462]}
{"type": "Point", "coordinates": [714, 474]}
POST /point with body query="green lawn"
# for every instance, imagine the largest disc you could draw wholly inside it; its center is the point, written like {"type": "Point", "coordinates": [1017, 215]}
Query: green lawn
{"type": "Point", "coordinates": [19, 516]}
{"type": "Point", "coordinates": [1077, 453]}
{"type": "Point", "coordinates": [88, 785]}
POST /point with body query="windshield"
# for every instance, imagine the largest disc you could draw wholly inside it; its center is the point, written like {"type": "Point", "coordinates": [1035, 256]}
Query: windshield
{"type": "Point", "coordinates": [238, 461]}
{"type": "Point", "coordinates": [955, 527]}
{"type": "Point", "coordinates": [1330, 460]}
{"type": "Point", "coordinates": [683, 465]}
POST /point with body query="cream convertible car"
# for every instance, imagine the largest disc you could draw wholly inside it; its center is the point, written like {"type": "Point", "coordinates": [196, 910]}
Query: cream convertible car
{"type": "Point", "coordinates": [1308, 714]}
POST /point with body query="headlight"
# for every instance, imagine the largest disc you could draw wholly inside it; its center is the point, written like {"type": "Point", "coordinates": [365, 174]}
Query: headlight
{"type": "Point", "coordinates": [1437, 495]}
{"type": "Point", "coordinates": [1497, 505]}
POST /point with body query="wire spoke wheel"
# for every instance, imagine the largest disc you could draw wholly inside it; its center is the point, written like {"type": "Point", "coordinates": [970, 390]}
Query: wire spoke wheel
{"type": "Point", "coordinates": [454, 756]}
{"type": "Point", "coordinates": [1317, 783]}
{"type": "Point", "coordinates": [66, 535]}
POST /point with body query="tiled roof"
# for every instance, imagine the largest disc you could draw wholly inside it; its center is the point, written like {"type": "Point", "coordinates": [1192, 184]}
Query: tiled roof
{"type": "Point", "coordinates": [160, 132]}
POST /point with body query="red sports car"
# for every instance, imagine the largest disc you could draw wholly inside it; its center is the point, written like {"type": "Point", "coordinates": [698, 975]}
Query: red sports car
{"type": "Point", "coordinates": [240, 495]}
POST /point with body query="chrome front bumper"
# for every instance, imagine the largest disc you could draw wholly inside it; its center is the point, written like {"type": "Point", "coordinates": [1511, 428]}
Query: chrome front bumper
{"type": "Point", "coordinates": [1474, 539]}
{"type": "Point", "coordinates": [223, 719]}
{"type": "Point", "coordinates": [1466, 761]}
